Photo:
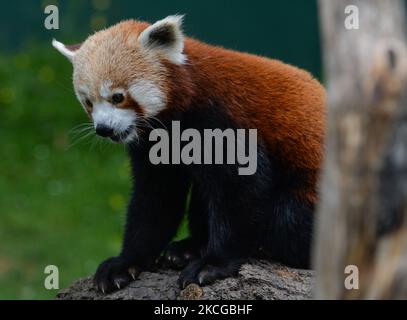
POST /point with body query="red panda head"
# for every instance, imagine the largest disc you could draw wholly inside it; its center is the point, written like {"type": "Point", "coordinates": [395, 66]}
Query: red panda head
{"type": "Point", "coordinates": [121, 73]}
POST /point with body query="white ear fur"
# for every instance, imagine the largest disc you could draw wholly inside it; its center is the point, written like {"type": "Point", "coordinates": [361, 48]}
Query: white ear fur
{"type": "Point", "coordinates": [63, 49]}
{"type": "Point", "coordinates": [166, 35]}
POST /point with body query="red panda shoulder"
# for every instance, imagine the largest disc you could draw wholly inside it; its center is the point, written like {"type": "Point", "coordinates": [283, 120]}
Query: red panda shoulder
{"type": "Point", "coordinates": [284, 103]}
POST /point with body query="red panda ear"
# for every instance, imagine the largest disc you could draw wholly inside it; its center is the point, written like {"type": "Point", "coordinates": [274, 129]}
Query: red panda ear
{"type": "Point", "coordinates": [68, 51]}
{"type": "Point", "coordinates": [166, 35]}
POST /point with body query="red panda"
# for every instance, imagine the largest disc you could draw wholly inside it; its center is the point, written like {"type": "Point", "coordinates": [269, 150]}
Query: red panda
{"type": "Point", "coordinates": [133, 76]}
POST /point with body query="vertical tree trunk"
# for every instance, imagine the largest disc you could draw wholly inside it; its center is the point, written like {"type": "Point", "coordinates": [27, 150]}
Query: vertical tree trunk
{"type": "Point", "coordinates": [362, 216]}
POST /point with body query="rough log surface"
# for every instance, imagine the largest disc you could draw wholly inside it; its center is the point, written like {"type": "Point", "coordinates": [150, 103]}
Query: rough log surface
{"type": "Point", "coordinates": [259, 280]}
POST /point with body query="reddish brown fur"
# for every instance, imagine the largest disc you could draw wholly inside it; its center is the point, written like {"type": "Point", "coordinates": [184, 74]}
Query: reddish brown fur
{"type": "Point", "coordinates": [285, 104]}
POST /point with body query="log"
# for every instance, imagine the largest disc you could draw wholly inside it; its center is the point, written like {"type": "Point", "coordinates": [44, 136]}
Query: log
{"type": "Point", "coordinates": [363, 211]}
{"type": "Point", "coordinates": [258, 280]}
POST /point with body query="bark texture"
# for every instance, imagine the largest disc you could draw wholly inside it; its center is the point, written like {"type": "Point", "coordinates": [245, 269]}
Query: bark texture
{"type": "Point", "coordinates": [362, 217]}
{"type": "Point", "coordinates": [257, 280]}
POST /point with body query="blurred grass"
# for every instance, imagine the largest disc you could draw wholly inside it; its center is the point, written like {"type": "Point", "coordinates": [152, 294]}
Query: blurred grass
{"type": "Point", "coordinates": [59, 205]}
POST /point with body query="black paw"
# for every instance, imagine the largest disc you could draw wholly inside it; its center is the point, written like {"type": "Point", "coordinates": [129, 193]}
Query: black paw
{"type": "Point", "coordinates": [178, 254]}
{"type": "Point", "coordinates": [203, 272]}
{"type": "Point", "coordinates": [114, 274]}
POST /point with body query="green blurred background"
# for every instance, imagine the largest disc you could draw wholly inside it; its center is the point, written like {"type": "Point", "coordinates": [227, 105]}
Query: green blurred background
{"type": "Point", "coordinates": [63, 196]}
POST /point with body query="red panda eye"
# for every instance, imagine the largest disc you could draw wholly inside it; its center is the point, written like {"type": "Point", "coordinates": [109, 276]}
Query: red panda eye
{"type": "Point", "coordinates": [88, 103]}
{"type": "Point", "coordinates": [117, 98]}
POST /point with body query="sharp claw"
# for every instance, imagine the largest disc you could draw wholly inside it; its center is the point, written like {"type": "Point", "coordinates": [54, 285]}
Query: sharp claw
{"type": "Point", "coordinates": [102, 288]}
{"type": "Point", "coordinates": [132, 273]}
{"type": "Point", "coordinates": [117, 284]}
{"type": "Point", "coordinates": [201, 279]}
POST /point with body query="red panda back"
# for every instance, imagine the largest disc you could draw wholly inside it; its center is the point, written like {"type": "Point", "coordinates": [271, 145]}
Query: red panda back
{"type": "Point", "coordinates": [284, 103]}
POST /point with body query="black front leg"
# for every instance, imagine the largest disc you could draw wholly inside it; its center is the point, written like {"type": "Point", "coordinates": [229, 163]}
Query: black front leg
{"type": "Point", "coordinates": [230, 231]}
{"type": "Point", "coordinates": [180, 253]}
{"type": "Point", "coordinates": [235, 218]}
{"type": "Point", "coordinates": [227, 249]}
{"type": "Point", "coordinates": [154, 214]}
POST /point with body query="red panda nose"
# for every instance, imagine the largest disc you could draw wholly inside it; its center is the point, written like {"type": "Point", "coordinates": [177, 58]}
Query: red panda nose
{"type": "Point", "coordinates": [104, 131]}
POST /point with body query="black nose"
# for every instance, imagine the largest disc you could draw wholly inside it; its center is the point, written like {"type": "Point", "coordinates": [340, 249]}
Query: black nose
{"type": "Point", "coordinates": [104, 131]}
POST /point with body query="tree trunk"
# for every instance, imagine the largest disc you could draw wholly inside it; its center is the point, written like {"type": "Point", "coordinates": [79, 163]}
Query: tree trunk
{"type": "Point", "coordinates": [362, 216]}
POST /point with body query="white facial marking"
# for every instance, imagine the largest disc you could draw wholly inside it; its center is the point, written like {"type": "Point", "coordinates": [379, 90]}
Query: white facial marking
{"type": "Point", "coordinates": [82, 93]}
{"type": "Point", "coordinates": [119, 120]}
{"type": "Point", "coordinates": [148, 96]}
{"type": "Point", "coordinates": [105, 91]}
{"type": "Point", "coordinates": [84, 90]}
